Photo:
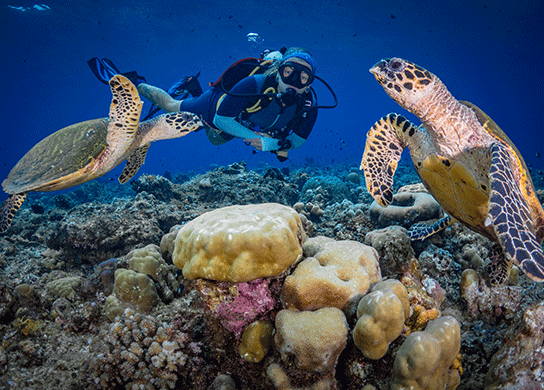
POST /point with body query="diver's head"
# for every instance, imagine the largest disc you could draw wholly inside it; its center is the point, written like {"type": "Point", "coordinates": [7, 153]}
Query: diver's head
{"type": "Point", "coordinates": [296, 70]}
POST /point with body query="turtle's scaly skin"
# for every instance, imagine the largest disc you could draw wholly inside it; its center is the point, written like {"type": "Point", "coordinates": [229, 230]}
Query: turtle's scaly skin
{"type": "Point", "coordinates": [464, 160]}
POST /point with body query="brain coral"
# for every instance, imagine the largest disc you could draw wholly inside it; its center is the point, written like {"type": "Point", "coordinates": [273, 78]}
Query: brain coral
{"type": "Point", "coordinates": [131, 289]}
{"type": "Point", "coordinates": [424, 359]}
{"type": "Point", "coordinates": [148, 260]}
{"type": "Point", "coordinates": [406, 209]}
{"type": "Point", "coordinates": [240, 243]}
{"type": "Point", "coordinates": [333, 274]}
{"type": "Point", "coordinates": [381, 315]}
{"type": "Point", "coordinates": [314, 338]}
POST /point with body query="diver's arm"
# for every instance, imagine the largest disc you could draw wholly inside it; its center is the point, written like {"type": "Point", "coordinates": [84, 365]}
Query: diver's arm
{"type": "Point", "coordinates": [159, 97]}
{"type": "Point", "coordinates": [231, 126]}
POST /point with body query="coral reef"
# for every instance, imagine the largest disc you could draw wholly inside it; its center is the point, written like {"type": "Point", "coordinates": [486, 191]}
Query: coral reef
{"type": "Point", "coordinates": [393, 246]}
{"type": "Point", "coordinates": [380, 318]}
{"type": "Point", "coordinates": [59, 259]}
{"type": "Point", "coordinates": [240, 243]}
{"type": "Point", "coordinates": [406, 209]}
{"type": "Point", "coordinates": [158, 186]}
{"type": "Point", "coordinates": [324, 190]}
{"type": "Point", "coordinates": [518, 363]}
{"type": "Point", "coordinates": [333, 274]}
{"type": "Point", "coordinates": [491, 302]}
{"type": "Point", "coordinates": [313, 340]}
{"type": "Point", "coordinates": [131, 289]}
{"type": "Point", "coordinates": [149, 261]}
{"type": "Point", "coordinates": [94, 234]}
{"type": "Point", "coordinates": [140, 353]}
{"type": "Point", "coordinates": [423, 361]}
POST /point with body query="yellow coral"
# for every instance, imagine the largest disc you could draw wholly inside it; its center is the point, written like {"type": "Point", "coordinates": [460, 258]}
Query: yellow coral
{"type": "Point", "coordinates": [381, 315]}
{"type": "Point", "coordinates": [64, 287]}
{"type": "Point", "coordinates": [314, 339]}
{"type": "Point", "coordinates": [147, 260]}
{"type": "Point", "coordinates": [421, 317]}
{"type": "Point", "coordinates": [240, 243]}
{"type": "Point", "coordinates": [256, 341]}
{"type": "Point", "coordinates": [333, 274]}
{"type": "Point", "coordinates": [424, 359]}
{"type": "Point", "coordinates": [457, 364]}
{"type": "Point", "coordinates": [131, 289]}
{"type": "Point", "coordinates": [28, 326]}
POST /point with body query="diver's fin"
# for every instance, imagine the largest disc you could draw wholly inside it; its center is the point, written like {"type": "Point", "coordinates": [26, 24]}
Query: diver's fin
{"type": "Point", "coordinates": [103, 68]}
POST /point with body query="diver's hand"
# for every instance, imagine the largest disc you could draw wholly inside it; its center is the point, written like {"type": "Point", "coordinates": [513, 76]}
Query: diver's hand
{"type": "Point", "coordinates": [256, 142]}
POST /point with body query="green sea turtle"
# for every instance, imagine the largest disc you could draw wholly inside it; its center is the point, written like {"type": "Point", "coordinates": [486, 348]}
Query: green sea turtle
{"type": "Point", "coordinates": [87, 150]}
{"type": "Point", "coordinates": [464, 160]}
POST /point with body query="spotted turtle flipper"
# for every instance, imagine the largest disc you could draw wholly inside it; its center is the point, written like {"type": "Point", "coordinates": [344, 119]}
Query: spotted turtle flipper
{"type": "Point", "coordinates": [511, 218]}
{"type": "Point", "coordinates": [385, 142]}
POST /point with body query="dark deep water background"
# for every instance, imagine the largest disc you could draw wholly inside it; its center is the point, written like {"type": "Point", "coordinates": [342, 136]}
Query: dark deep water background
{"type": "Point", "coordinates": [488, 52]}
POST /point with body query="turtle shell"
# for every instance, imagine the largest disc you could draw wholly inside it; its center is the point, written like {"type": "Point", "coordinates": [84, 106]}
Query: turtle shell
{"type": "Point", "coordinates": [68, 151]}
{"type": "Point", "coordinates": [494, 130]}
{"type": "Point", "coordinates": [524, 179]}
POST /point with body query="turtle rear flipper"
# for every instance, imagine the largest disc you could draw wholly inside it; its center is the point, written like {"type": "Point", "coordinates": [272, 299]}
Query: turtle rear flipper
{"type": "Point", "coordinates": [511, 218]}
{"type": "Point", "coordinates": [134, 161]}
{"type": "Point", "coordinates": [498, 270]}
{"type": "Point", "coordinates": [9, 208]}
{"type": "Point", "coordinates": [385, 142]}
{"type": "Point", "coordinates": [421, 231]}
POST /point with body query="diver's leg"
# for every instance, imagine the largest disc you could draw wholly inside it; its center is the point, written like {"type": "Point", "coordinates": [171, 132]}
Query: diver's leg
{"type": "Point", "coordinates": [159, 97]}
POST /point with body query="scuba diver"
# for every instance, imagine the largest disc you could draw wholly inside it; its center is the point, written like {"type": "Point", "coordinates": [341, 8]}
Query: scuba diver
{"type": "Point", "coordinates": [267, 102]}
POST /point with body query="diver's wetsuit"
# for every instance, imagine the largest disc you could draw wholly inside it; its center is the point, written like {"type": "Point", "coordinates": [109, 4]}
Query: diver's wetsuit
{"type": "Point", "coordinates": [272, 119]}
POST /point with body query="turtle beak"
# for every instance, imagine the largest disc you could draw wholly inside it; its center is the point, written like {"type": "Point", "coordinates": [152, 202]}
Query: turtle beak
{"type": "Point", "coordinates": [379, 70]}
{"type": "Point", "coordinates": [379, 67]}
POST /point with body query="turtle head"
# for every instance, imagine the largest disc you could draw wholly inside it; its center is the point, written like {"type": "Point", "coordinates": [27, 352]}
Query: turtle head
{"type": "Point", "coordinates": [406, 82]}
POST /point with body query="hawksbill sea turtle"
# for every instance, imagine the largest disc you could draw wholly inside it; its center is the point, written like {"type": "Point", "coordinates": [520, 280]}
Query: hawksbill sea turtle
{"type": "Point", "coordinates": [464, 160]}
{"type": "Point", "coordinates": [87, 150]}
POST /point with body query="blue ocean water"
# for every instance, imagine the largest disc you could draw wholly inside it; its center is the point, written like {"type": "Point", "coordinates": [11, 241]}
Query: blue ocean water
{"type": "Point", "coordinates": [488, 52]}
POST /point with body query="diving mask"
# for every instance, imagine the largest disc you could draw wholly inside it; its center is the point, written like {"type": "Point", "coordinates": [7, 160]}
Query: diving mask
{"type": "Point", "coordinates": [296, 75]}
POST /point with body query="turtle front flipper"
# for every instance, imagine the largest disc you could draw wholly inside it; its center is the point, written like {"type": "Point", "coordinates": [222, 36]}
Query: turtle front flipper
{"type": "Point", "coordinates": [511, 218]}
{"type": "Point", "coordinates": [9, 208]}
{"type": "Point", "coordinates": [421, 231]}
{"type": "Point", "coordinates": [125, 110]}
{"type": "Point", "coordinates": [384, 146]}
{"type": "Point", "coordinates": [134, 161]}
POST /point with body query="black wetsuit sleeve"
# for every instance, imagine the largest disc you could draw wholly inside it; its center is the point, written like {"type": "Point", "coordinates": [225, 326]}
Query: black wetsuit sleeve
{"type": "Point", "coordinates": [232, 106]}
{"type": "Point", "coordinates": [305, 125]}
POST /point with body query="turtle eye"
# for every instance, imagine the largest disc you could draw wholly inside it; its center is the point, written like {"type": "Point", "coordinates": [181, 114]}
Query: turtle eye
{"type": "Point", "coordinates": [396, 65]}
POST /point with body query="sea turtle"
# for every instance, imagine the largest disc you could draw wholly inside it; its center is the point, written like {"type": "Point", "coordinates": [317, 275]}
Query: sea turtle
{"type": "Point", "coordinates": [464, 160]}
{"type": "Point", "coordinates": [87, 150]}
